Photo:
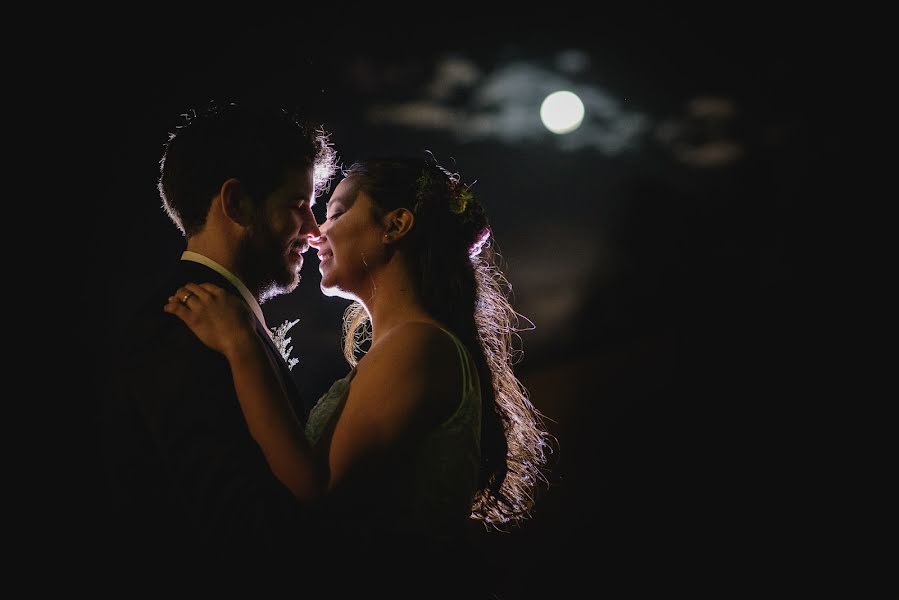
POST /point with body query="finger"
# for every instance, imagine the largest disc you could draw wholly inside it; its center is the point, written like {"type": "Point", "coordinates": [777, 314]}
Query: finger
{"type": "Point", "coordinates": [201, 292]}
{"type": "Point", "coordinates": [183, 294]}
{"type": "Point", "coordinates": [212, 289]}
{"type": "Point", "coordinates": [192, 290]}
{"type": "Point", "coordinates": [177, 308]}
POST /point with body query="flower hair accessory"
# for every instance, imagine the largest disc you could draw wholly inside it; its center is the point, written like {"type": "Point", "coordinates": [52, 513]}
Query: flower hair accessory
{"type": "Point", "coordinates": [422, 189]}
{"type": "Point", "coordinates": [458, 196]}
{"type": "Point", "coordinates": [459, 202]}
{"type": "Point", "coordinates": [479, 241]}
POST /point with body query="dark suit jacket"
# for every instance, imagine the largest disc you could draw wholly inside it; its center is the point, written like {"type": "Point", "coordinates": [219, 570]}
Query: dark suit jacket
{"type": "Point", "coordinates": [186, 480]}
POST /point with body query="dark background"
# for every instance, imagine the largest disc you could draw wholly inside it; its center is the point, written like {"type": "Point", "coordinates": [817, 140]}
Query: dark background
{"type": "Point", "coordinates": [655, 249]}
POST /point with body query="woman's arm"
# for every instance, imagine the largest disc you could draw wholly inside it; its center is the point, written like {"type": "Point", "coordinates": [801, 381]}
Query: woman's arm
{"type": "Point", "coordinates": [225, 324]}
{"type": "Point", "coordinates": [406, 385]}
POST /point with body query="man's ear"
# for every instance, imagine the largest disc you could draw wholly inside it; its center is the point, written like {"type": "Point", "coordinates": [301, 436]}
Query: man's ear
{"type": "Point", "coordinates": [235, 202]}
{"type": "Point", "coordinates": [398, 223]}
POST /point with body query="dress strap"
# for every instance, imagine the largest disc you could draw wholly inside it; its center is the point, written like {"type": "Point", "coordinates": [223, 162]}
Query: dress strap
{"type": "Point", "coordinates": [464, 360]}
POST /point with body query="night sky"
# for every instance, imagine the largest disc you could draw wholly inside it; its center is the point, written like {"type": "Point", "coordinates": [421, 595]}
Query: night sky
{"type": "Point", "coordinates": [652, 249]}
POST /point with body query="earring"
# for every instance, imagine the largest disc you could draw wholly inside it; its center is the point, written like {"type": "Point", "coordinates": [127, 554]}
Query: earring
{"type": "Point", "coordinates": [374, 286]}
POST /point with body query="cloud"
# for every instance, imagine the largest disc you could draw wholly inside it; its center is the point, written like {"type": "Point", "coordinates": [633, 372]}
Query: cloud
{"type": "Point", "coordinates": [504, 105]}
{"type": "Point", "coordinates": [453, 73]}
{"type": "Point", "coordinates": [557, 284]}
{"type": "Point", "coordinates": [702, 137]}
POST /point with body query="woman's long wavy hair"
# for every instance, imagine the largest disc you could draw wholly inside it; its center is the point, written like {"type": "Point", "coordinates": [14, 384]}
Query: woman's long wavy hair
{"type": "Point", "coordinates": [463, 287]}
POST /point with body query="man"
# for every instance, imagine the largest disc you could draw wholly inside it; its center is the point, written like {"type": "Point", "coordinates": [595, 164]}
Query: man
{"type": "Point", "coordinates": [188, 481]}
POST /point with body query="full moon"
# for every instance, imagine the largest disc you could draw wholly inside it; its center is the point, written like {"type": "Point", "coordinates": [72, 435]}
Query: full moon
{"type": "Point", "coordinates": [562, 112]}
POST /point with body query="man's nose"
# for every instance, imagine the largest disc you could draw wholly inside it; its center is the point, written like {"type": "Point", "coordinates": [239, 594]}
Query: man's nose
{"type": "Point", "coordinates": [310, 228]}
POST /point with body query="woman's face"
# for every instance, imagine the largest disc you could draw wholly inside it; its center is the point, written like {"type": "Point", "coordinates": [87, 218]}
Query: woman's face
{"type": "Point", "coordinates": [351, 243]}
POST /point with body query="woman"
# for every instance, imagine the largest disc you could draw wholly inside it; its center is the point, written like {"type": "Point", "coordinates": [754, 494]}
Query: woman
{"type": "Point", "coordinates": [431, 426]}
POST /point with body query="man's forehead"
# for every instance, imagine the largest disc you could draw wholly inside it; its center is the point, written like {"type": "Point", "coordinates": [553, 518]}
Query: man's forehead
{"type": "Point", "coordinates": [301, 183]}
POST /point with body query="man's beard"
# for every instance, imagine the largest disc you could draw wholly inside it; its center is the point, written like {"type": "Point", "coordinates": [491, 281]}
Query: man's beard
{"type": "Point", "coordinates": [263, 264]}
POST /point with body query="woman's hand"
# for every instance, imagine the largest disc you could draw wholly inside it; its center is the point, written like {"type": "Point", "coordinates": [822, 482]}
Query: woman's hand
{"type": "Point", "coordinates": [220, 320]}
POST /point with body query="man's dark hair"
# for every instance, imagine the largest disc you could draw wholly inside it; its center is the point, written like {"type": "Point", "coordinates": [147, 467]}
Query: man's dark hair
{"type": "Point", "coordinates": [252, 143]}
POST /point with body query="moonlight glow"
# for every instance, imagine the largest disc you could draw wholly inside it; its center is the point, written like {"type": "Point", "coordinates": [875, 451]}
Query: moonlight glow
{"type": "Point", "coordinates": [562, 112]}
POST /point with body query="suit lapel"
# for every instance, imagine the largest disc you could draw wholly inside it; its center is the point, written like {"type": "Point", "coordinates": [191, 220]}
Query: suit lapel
{"type": "Point", "coordinates": [199, 273]}
{"type": "Point", "coordinates": [283, 372]}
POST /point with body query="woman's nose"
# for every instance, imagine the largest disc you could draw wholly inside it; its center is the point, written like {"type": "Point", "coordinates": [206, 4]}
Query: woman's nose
{"type": "Point", "coordinates": [316, 239]}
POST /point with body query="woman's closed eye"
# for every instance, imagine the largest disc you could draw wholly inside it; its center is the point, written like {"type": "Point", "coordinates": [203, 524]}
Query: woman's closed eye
{"type": "Point", "coordinates": [334, 215]}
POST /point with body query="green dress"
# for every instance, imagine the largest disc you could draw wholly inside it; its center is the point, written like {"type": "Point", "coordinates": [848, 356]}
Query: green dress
{"type": "Point", "coordinates": [428, 495]}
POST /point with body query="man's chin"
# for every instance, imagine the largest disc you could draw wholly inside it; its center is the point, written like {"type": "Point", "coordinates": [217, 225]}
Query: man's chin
{"type": "Point", "coordinates": [292, 275]}
{"type": "Point", "coordinates": [292, 284]}
{"type": "Point", "coordinates": [284, 285]}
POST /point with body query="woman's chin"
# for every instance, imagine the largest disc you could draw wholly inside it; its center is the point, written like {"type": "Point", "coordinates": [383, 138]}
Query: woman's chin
{"type": "Point", "coordinates": [336, 292]}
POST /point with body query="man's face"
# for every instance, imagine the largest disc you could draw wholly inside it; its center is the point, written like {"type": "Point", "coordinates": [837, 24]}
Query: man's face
{"type": "Point", "coordinates": [271, 255]}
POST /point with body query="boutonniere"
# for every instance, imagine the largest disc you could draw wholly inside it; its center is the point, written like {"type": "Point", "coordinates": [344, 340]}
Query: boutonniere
{"type": "Point", "coordinates": [282, 342]}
